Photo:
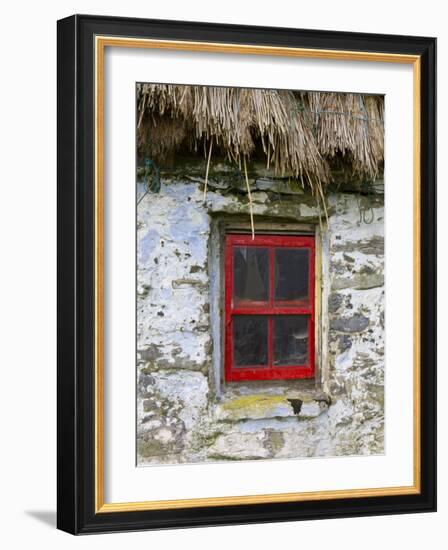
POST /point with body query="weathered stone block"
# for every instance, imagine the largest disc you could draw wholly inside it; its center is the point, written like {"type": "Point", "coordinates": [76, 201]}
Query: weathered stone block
{"type": "Point", "coordinates": [311, 409]}
{"type": "Point", "coordinates": [254, 407]}
{"type": "Point", "coordinates": [355, 323]}
{"type": "Point", "coordinates": [335, 301]}
{"type": "Point", "coordinates": [179, 357]}
{"type": "Point", "coordinates": [359, 281]}
{"type": "Point", "coordinates": [239, 446]}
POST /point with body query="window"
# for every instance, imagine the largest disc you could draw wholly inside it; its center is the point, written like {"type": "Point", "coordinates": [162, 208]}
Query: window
{"type": "Point", "coordinates": [269, 307]}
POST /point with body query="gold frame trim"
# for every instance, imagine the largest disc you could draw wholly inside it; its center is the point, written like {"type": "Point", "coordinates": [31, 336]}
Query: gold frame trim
{"type": "Point", "coordinates": [101, 42]}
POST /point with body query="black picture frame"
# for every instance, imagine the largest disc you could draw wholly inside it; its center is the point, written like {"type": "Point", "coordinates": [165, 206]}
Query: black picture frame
{"type": "Point", "coordinates": [76, 256]}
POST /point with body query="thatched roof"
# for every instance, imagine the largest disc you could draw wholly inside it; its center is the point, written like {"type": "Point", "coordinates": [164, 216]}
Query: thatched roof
{"type": "Point", "coordinates": [301, 134]}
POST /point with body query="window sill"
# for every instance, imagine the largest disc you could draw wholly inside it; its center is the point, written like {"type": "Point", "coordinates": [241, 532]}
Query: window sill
{"type": "Point", "coordinates": [265, 406]}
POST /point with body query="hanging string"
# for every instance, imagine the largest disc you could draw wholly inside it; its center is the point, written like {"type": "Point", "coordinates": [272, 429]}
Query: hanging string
{"type": "Point", "coordinates": [208, 168]}
{"type": "Point", "coordinates": [250, 200]}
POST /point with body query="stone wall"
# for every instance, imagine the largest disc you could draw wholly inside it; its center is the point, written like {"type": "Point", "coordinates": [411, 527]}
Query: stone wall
{"type": "Point", "coordinates": [186, 413]}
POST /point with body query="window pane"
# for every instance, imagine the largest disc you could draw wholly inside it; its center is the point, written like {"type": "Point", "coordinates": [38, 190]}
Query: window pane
{"type": "Point", "coordinates": [290, 340]}
{"type": "Point", "coordinates": [250, 340]}
{"type": "Point", "coordinates": [250, 274]}
{"type": "Point", "coordinates": [291, 275]}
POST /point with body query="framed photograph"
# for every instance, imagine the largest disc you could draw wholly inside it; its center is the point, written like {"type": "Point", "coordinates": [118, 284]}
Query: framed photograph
{"type": "Point", "coordinates": [246, 274]}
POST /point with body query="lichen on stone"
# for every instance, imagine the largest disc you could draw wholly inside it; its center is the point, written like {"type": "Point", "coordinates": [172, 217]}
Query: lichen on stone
{"type": "Point", "coordinates": [185, 411]}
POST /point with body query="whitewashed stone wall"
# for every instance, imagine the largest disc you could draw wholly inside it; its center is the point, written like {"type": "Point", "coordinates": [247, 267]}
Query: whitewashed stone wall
{"type": "Point", "coordinates": [185, 413]}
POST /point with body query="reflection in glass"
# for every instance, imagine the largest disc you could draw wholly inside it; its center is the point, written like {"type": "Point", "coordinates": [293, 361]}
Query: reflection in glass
{"type": "Point", "coordinates": [291, 274]}
{"type": "Point", "coordinates": [251, 274]}
{"type": "Point", "coordinates": [250, 340]}
{"type": "Point", "coordinates": [290, 340]}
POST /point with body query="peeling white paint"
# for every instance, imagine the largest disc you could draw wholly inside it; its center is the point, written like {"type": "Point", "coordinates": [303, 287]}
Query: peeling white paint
{"type": "Point", "coordinates": [179, 352]}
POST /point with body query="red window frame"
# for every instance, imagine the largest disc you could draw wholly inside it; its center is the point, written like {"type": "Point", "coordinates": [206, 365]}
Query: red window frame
{"type": "Point", "coordinates": [271, 372]}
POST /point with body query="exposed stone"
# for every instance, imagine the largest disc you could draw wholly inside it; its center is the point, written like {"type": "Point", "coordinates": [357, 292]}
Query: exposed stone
{"type": "Point", "coordinates": [373, 245]}
{"type": "Point", "coordinates": [161, 441]}
{"type": "Point", "coordinates": [355, 323]}
{"type": "Point", "coordinates": [150, 353]}
{"type": "Point", "coordinates": [239, 446]}
{"type": "Point", "coordinates": [161, 431]}
{"type": "Point", "coordinates": [309, 213]}
{"type": "Point", "coordinates": [360, 282]}
{"type": "Point", "coordinates": [185, 412]}
{"type": "Point", "coordinates": [254, 407]}
{"type": "Point", "coordinates": [348, 258]}
{"type": "Point", "coordinates": [283, 187]}
{"type": "Point", "coordinates": [274, 441]}
{"type": "Point", "coordinates": [344, 342]}
{"type": "Point", "coordinates": [335, 301]}
{"type": "Point", "coordinates": [312, 409]}
{"type": "Point", "coordinates": [187, 283]}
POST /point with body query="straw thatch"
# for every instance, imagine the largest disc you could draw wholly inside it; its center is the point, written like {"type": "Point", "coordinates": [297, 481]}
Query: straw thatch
{"type": "Point", "coordinates": [301, 134]}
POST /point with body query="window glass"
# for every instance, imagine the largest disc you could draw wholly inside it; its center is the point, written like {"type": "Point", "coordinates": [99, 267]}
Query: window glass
{"type": "Point", "coordinates": [290, 340]}
{"type": "Point", "coordinates": [269, 307]}
{"type": "Point", "coordinates": [250, 340]}
{"type": "Point", "coordinates": [291, 275]}
{"type": "Point", "coordinates": [251, 274]}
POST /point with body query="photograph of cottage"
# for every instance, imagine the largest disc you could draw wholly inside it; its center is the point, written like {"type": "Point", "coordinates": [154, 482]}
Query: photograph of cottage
{"type": "Point", "coordinates": [260, 274]}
